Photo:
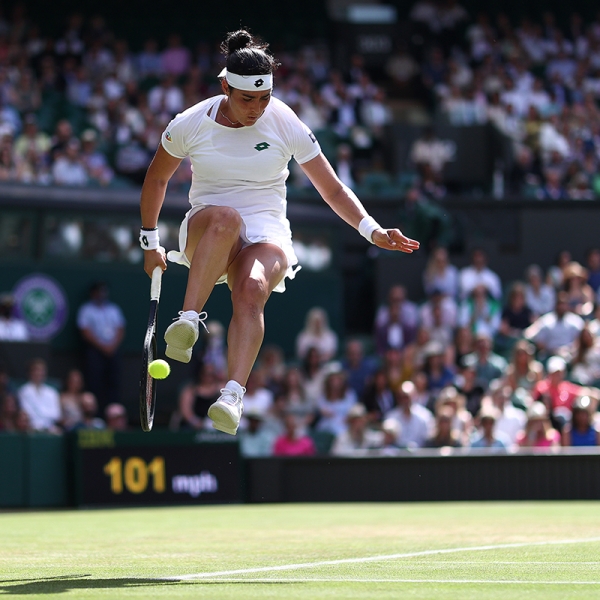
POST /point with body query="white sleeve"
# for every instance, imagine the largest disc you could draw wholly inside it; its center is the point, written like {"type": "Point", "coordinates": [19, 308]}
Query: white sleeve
{"type": "Point", "coordinates": [173, 139]}
{"type": "Point", "coordinates": [304, 144]}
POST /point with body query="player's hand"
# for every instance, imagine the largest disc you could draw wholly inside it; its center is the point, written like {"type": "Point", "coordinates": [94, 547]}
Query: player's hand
{"type": "Point", "coordinates": [153, 259]}
{"type": "Point", "coordinates": [393, 239]}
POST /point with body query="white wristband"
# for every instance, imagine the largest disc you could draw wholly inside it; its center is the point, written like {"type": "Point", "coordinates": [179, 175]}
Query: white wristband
{"type": "Point", "coordinates": [149, 239]}
{"type": "Point", "coordinates": [367, 226]}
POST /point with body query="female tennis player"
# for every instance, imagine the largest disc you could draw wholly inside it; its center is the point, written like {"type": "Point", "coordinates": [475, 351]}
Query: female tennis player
{"type": "Point", "coordinates": [236, 231]}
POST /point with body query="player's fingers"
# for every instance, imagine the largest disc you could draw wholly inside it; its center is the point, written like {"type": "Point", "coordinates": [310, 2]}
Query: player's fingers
{"type": "Point", "coordinates": [393, 239]}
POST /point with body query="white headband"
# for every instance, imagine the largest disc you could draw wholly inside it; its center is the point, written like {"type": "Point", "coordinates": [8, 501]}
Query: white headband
{"type": "Point", "coordinates": [248, 83]}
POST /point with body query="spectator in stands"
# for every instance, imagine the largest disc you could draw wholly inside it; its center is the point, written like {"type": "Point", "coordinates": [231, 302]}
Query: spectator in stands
{"type": "Point", "coordinates": [580, 294]}
{"type": "Point", "coordinates": [71, 399]}
{"type": "Point", "coordinates": [39, 400]}
{"type": "Point", "coordinates": [487, 437]}
{"type": "Point", "coordinates": [405, 311]}
{"type": "Point", "coordinates": [63, 134]}
{"type": "Point", "coordinates": [295, 398]}
{"type": "Point", "coordinates": [466, 384]}
{"type": "Point", "coordinates": [166, 98]}
{"type": "Point", "coordinates": [357, 437]}
{"type": "Point", "coordinates": [581, 430]}
{"type": "Point", "coordinates": [524, 371]}
{"type": "Point", "coordinates": [583, 358]}
{"type": "Point", "coordinates": [132, 158]}
{"type": "Point", "coordinates": [556, 393]}
{"type": "Point", "coordinates": [538, 432]}
{"type": "Point", "coordinates": [148, 60]}
{"type": "Point", "coordinates": [314, 371]}
{"type": "Point", "coordinates": [293, 442]}
{"type": "Point", "coordinates": [443, 434]}
{"type": "Point", "coordinates": [176, 58]}
{"type": "Point", "coordinates": [95, 162]}
{"type": "Point", "coordinates": [487, 364]}
{"type": "Point", "coordinates": [115, 417]}
{"type": "Point", "coordinates": [415, 421]}
{"type": "Point", "coordinates": [9, 407]}
{"type": "Point", "coordinates": [480, 312]}
{"type": "Point", "coordinates": [358, 367]}
{"type": "Point", "coordinates": [258, 398]}
{"type": "Point", "coordinates": [69, 167]}
{"type": "Point", "coordinates": [429, 150]}
{"type": "Point", "coordinates": [389, 334]}
{"type": "Point", "coordinates": [214, 350]}
{"type": "Point", "coordinates": [463, 344]}
{"type": "Point", "coordinates": [256, 441]}
{"type": "Point", "coordinates": [557, 330]}
{"type": "Point", "coordinates": [539, 296]}
{"type": "Point", "coordinates": [478, 273]}
{"type": "Point", "coordinates": [438, 373]}
{"type": "Point", "coordinates": [511, 420]}
{"type": "Point", "coordinates": [271, 359]}
{"type": "Point", "coordinates": [102, 327]}
{"type": "Point", "coordinates": [89, 414]}
{"type": "Point", "coordinates": [439, 316]}
{"type": "Point", "coordinates": [196, 397]}
{"type": "Point", "coordinates": [462, 420]}
{"type": "Point", "coordinates": [555, 274]}
{"type": "Point", "coordinates": [334, 404]}
{"type": "Point", "coordinates": [592, 259]}
{"type": "Point", "coordinates": [317, 334]}
{"type": "Point", "coordinates": [12, 328]}
{"type": "Point", "coordinates": [440, 275]}
{"type": "Point", "coordinates": [378, 397]}
{"type": "Point", "coordinates": [516, 317]}
{"type": "Point", "coordinates": [32, 139]}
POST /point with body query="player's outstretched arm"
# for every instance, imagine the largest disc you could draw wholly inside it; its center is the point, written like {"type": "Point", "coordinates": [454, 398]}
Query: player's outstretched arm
{"type": "Point", "coordinates": [154, 188]}
{"type": "Point", "coordinates": [345, 203]}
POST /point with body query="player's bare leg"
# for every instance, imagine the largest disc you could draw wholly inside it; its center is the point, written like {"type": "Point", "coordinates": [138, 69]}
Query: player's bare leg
{"type": "Point", "coordinates": [252, 276]}
{"type": "Point", "coordinates": [213, 243]}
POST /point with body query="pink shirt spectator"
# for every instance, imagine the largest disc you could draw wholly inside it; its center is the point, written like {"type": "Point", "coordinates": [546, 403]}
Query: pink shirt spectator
{"type": "Point", "coordinates": [550, 440]}
{"type": "Point", "coordinates": [176, 58]}
{"type": "Point", "coordinates": [303, 446]}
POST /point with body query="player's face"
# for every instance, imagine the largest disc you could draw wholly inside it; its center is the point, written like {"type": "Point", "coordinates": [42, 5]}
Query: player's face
{"type": "Point", "coordinates": [248, 107]}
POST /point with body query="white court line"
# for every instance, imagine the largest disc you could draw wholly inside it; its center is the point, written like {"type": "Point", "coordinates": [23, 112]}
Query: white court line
{"type": "Point", "coordinates": [356, 580]}
{"type": "Point", "coordinates": [367, 559]}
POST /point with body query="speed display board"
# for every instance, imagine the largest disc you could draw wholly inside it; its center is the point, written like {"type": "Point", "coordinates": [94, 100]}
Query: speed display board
{"type": "Point", "coordinates": [155, 468]}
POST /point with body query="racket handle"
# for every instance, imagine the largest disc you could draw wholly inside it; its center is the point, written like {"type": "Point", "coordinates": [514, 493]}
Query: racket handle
{"type": "Point", "coordinates": [155, 285]}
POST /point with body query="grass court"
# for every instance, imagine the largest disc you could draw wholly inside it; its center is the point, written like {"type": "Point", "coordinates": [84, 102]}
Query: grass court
{"type": "Point", "coordinates": [546, 550]}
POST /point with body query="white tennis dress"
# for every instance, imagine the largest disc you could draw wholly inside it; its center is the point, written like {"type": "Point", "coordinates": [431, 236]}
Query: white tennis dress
{"type": "Point", "coordinates": [243, 168]}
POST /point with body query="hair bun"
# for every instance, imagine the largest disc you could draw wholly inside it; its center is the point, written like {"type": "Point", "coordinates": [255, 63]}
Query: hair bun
{"type": "Point", "coordinates": [238, 40]}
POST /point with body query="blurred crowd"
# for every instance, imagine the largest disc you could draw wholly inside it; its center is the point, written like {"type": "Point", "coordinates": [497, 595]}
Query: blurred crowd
{"type": "Point", "coordinates": [84, 108]}
{"type": "Point", "coordinates": [537, 81]}
{"type": "Point", "coordinates": [477, 365]}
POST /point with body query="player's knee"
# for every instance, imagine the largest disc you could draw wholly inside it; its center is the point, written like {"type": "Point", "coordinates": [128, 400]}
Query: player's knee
{"type": "Point", "coordinates": [225, 221]}
{"type": "Point", "coordinates": [250, 295]}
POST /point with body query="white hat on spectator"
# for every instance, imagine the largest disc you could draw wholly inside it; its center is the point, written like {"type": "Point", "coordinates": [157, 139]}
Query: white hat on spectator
{"type": "Point", "coordinates": [555, 364]}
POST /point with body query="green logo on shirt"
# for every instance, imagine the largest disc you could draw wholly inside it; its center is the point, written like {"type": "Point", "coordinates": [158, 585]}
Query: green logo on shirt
{"type": "Point", "coordinates": [261, 146]}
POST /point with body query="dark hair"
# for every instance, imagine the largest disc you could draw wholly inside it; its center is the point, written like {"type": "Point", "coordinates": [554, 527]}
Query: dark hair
{"type": "Point", "coordinates": [246, 55]}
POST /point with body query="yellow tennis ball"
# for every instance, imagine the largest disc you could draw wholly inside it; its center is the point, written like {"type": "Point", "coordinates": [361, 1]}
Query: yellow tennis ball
{"type": "Point", "coordinates": [159, 369]}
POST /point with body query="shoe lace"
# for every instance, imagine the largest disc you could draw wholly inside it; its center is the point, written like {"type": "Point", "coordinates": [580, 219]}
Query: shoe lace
{"type": "Point", "coordinates": [200, 319]}
{"type": "Point", "coordinates": [230, 397]}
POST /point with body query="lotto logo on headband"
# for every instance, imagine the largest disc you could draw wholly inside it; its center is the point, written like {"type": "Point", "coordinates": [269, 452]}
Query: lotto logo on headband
{"type": "Point", "coordinates": [258, 83]}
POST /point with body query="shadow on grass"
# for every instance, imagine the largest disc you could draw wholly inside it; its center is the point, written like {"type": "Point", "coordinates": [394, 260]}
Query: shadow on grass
{"type": "Point", "coordinates": [69, 583]}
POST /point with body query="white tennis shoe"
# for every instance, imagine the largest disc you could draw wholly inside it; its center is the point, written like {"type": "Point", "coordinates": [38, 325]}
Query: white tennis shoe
{"type": "Point", "coordinates": [227, 411]}
{"type": "Point", "coordinates": [182, 335]}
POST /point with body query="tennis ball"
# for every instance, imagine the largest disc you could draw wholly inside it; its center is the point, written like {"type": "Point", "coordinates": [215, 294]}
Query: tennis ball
{"type": "Point", "coordinates": [159, 369]}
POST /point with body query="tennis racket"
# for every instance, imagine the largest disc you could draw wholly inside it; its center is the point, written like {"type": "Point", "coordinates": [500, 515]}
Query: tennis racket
{"type": "Point", "coordinates": [147, 383]}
